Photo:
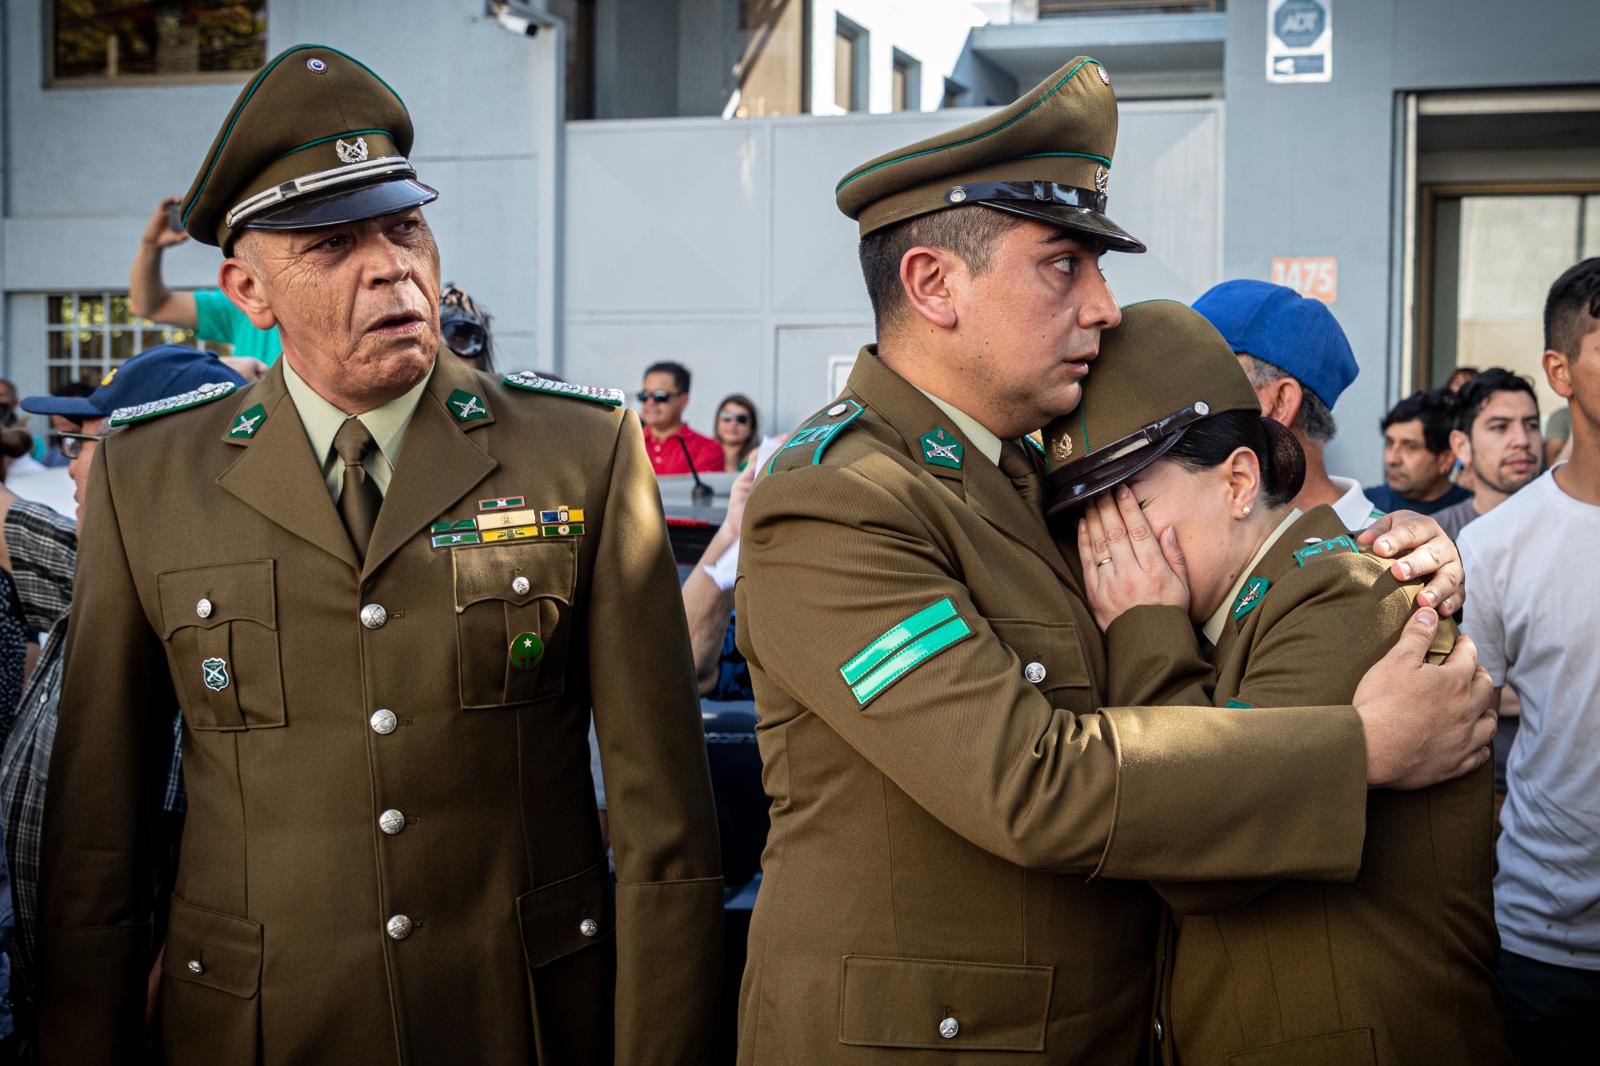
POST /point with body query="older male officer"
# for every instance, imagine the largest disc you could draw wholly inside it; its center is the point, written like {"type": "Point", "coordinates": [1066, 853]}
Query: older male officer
{"type": "Point", "coordinates": [950, 795]}
{"type": "Point", "coordinates": [386, 590]}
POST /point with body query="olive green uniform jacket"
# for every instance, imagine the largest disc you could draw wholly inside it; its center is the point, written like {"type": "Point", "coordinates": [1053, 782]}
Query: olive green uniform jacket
{"type": "Point", "coordinates": [1393, 968]}
{"type": "Point", "coordinates": [951, 795]}
{"type": "Point", "coordinates": [277, 951]}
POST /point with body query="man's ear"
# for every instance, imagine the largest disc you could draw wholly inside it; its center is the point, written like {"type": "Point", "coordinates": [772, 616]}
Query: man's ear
{"type": "Point", "coordinates": [925, 276]}
{"type": "Point", "coordinates": [1286, 400]}
{"type": "Point", "coordinates": [1558, 373]}
{"type": "Point", "coordinates": [243, 285]}
{"type": "Point", "coordinates": [1461, 445]}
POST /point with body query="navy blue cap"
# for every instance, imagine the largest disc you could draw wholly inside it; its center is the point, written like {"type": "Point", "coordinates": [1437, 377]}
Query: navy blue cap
{"type": "Point", "coordinates": [1279, 326]}
{"type": "Point", "coordinates": [153, 374]}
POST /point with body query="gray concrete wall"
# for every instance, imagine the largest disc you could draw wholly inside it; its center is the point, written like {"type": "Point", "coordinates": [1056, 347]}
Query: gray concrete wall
{"type": "Point", "coordinates": [1312, 169]}
{"type": "Point", "coordinates": [84, 167]}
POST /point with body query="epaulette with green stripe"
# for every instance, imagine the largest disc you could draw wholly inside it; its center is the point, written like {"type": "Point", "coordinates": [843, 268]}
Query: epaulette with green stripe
{"type": "Point", "coordinates": [211, 390]}
{"type": "Point", "coordinates": [532, 382]}
{"type": "Point", "coordinates": [1333, 546]}
{"type": "Point", "coordinates": [806, 445]}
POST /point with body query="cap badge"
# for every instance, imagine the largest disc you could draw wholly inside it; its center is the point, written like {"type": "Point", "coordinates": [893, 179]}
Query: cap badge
{"type": "Point", "coordinates": [316, 66]}
{"type": "Point", "coordinates": [1103, 75]}
{"type": "Point", "coordinates": [1061, 451]}
{"type": "Point", "coordinates": [352, 152]}
{"type": "Point", "coordinates": [941, 449]}
{"type": "Point", "coordinates": [1101, 179]}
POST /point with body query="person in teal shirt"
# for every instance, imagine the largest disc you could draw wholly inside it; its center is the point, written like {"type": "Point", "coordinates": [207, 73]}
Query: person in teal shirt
{"type": "Point", "coordinates": [210, 314]}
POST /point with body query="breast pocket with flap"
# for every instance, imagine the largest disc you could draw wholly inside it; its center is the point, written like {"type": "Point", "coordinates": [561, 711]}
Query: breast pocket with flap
{"type": "Point", "coordinates": [220, 624]}
{"type": "Point", "coordinates": [513, 621]}
{"type": "Point", "coordinates": [1050, 657]}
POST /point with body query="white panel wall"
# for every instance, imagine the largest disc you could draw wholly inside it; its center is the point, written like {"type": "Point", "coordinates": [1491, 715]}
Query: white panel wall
{"type": "Point", "coordinates": [718, 243]}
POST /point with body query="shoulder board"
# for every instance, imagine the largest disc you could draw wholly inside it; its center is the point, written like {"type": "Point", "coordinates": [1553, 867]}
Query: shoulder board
{"type": "Point", "coordinates": [1337, 545]}
{"type": "Point", "coordinates": [532, 382]}
{"type": "Point", "coordinates": [816, 434]}
{"type": "Point", "coordinates": [212, 390]}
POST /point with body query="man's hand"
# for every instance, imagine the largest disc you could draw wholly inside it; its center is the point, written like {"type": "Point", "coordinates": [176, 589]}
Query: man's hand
{"type": "Point", "coordinates": [1431, 552]}
{"type": "Point", "coordinates": [1124, 564]}
{"type": "Point", "coordinates": [1425, 724]}
{"type": "Point", "coordinates": [158, 232]}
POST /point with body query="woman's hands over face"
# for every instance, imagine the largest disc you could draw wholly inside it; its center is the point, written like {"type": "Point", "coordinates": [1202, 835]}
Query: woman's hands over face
{"type": "Point", "coordinates": [1124, 563]}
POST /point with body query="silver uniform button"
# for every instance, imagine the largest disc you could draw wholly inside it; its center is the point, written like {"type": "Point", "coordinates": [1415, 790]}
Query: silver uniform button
{"type": "Point", "coordinates": [589, 927]}
{"type": "Point", "coordinates": [203, 608]}
{"type": "Point", "coordinates": [949, 1028]}
{"type": "Point", "coordinates": [196, 966]}
{"type": "Point", "coordinates": [383, 721]}
{"type": "Point", "coordinates": [1159, 1031]}
{"type": "Point", "coordinates": [1034, 672]}
{"type": "Point", "coordinates": [519, 585]}
{"type": "Point", "coordinates": [373, 616]}
{"type": "Point", "coordinates": [398, 927]}
{"type": "Point", "coordinates": [836, 410]}
{"type": "Point", "coordinates": [391, 821]}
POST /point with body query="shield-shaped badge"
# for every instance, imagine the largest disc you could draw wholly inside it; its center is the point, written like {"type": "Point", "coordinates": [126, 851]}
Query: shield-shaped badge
{"type": "Point", "coordinates": [214, 672]}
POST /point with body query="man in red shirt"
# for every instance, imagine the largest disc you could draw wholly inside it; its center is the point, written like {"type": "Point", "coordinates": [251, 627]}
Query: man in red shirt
{"type": "Point", "coordinates": [671, 444]}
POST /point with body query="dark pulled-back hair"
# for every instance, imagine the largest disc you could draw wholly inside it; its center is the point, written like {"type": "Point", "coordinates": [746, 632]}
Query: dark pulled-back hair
{"type": "Point", "coordinates": [1572, 308]}
{"type": "Point", "coordinates": [1471, 397]}
{"type": "Point", "coordinates": [1210, 441]}
{"type": "Point", "coordinates": [1434, 408]}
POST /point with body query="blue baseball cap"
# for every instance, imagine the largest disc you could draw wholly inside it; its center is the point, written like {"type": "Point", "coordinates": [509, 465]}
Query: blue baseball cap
{"type": "Point", "coordinates": [1279, 326]}
{"type": "Point", "coordinates": [153, 374]}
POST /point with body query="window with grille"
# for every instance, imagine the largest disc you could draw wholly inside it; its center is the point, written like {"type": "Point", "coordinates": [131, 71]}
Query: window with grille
{"type": "Point", "coordinates": [100, 40]}
{"type": "Point", "coordinates": [89, 333]}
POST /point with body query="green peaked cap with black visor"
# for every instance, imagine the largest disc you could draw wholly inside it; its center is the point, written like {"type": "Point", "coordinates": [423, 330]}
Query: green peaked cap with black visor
{"type": "Point", "coordinates": [315, 139]}
{"type": "Point", "coordinates": [1159, 372]}
{"type": "Point", "coordinates": [1046, 156]}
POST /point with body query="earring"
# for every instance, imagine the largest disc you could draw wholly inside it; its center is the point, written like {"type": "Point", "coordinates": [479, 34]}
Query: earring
{"type": "Point", "coordinates": [1244, 512]}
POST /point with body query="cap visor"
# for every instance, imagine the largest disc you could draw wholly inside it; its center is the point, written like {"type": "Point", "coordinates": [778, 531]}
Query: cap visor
{"type": "Point", "coordinates": [65, 406]}
{"type": "Point", "coordinates": [1075, 483]}
{"type": "Point", "coordinates": [346, 205]}
{"type": "Point", "coordinates": [1080, 219]}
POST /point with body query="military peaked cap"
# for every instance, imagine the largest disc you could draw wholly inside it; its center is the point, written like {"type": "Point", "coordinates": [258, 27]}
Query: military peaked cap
{"type": "Point", "coordinates": [1047, 156]}
{"type": "Point", "coordinates": [315, 139]}
{"type": "Point", "coordinates": [1161, 371]}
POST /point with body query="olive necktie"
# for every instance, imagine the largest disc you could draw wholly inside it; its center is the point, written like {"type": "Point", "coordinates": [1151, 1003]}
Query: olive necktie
{"type": "Point", "coordinates": [1018, 465]}
{"type": "Point", "coordinates": [359, 499]}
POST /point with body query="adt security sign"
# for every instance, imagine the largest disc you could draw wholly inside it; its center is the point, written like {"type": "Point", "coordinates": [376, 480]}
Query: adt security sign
{"type": "Point", "coordinates": [1299, 40]}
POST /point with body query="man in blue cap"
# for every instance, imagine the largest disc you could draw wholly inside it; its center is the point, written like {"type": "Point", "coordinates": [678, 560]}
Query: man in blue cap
{"type": "Point", "coordinates": [43, 548]}
{"type": "Point", "coordinates": [1299, 361]}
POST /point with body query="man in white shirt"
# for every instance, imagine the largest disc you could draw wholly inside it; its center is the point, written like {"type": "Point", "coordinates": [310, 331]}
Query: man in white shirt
{"type": "Point", "coordinates": [1531, 614]}
{"type": "Point", "coordinates": [1299, 361]}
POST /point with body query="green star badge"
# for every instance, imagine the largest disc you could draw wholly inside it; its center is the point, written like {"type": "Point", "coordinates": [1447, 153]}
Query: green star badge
{"type": "Point", "coordinates": [249, 420]}
{"type": "Point", "coordinates": [940, 448]}
{"type": "Point", "coordinates": [526, 651]}
{"type": "Point", "coordinates": [465, 406]}
{"type": "Point", "coordinates": [1250, 597]}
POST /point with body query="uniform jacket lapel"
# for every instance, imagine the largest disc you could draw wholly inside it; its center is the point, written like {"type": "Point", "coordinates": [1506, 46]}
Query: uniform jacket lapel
{"type": "Point", "coordinates": [439, 462]}
{"type": "Point", "coordinates": [276, 473]}
{"type": "Point", "coordinates": [978, 481]}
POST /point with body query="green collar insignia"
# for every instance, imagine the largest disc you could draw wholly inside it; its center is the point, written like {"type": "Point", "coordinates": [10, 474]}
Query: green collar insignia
{"type": "Point", "coordinates": [1250, 597]}
{"type": "Point", "coordinates": [532, 382]}
{"type": "Point", "coordinates": [211, 390]}
{"type": "Point", "coordinates": [250, 420]}
{"type": "Point", "coordinates": [465, 406]}
{"type": "Point", "coordinates": [940, 448]}
{"type": "Point", "coordinates": [1341, 543]}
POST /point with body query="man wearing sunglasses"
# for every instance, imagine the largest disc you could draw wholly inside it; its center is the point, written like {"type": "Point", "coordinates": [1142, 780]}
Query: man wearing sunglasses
{"type": "Point", "coordinates": [673, 447]}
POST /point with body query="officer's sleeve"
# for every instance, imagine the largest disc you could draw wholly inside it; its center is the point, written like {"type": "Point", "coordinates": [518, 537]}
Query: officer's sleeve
{"type": "Point", "coordinates": [1153, 659]}
{"type": "Point", "coordinates": [852, 608]}
{"type": "Point", "coordinates": [658, 789]}
{"type": "Point", "coordinates": [113, 745]}
{"type": "Point", "coordinates": [1339, 626]}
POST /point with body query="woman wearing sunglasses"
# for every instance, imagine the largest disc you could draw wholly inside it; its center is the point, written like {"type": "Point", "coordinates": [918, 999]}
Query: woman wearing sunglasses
{"type": "Point", "coordinates": [738, 430]}
{"type": "Point", "coordinates": [1169, 456]}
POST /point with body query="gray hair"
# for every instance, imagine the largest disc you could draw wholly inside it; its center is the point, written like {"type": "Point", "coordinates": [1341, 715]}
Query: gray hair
{"type": "Point", "coordinates": [1314, 421]}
